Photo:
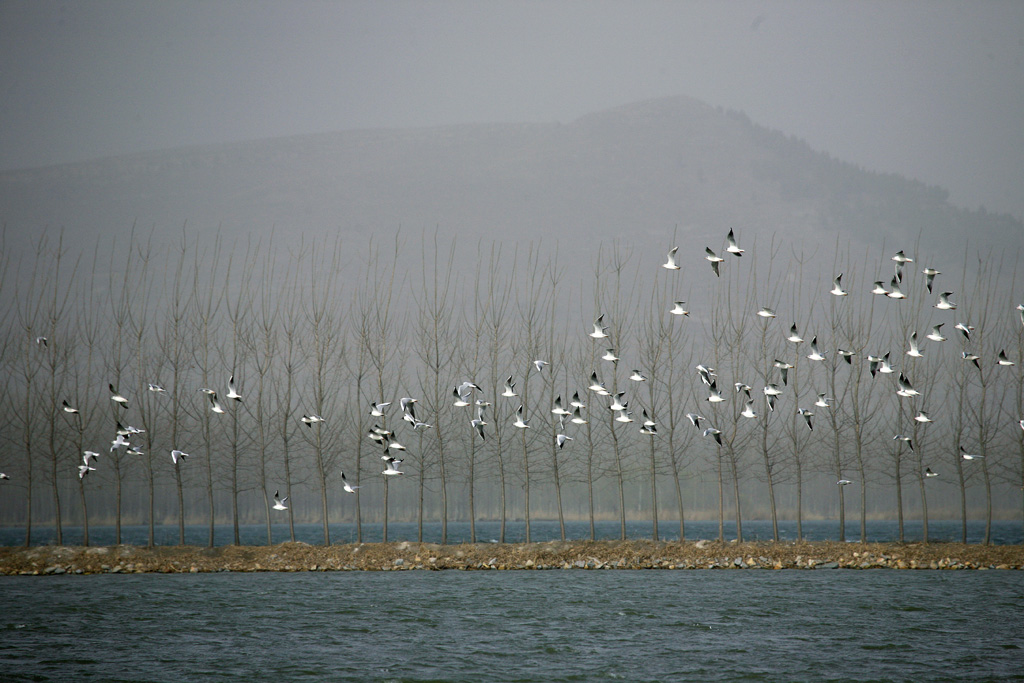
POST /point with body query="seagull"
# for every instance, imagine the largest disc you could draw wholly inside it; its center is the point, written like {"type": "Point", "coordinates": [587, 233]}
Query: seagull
{"type": "Point", "coordinates": [648, 422]}
{"type": "Point", "coordinates": [1020, 307]}
{"type": "Point", "coordinates": [711, 431]}
{"type": "Point", "coordinates": [733, 248]}
{"type": "Point", "coordinates": [215, 405]}
{"type": "Point", "coordinates": [900, 437]}
{"type": "Point", "coordinates": [772, 390]}
{"type": "Point", "coordinates": [884, 366]}
{"type": "Point", "coordinates": [279, 501]}
{"type": "Point", "coordinates": [558, 409]}
{"type": "Point", "coordinates": [310, 420]}
{"type": "Point", "coordinates": [740, 386]}
{"type": "Point", "coordinates": [134, 450]}
{"type": "Point", "coordinates": [929, 275]}
{"type": "Point", "coordinates": [416, 424]}
{"type": "Point", "coordinates": [716, 395]}
{"type": "Point", "coordinates": [900, 257]}
{"type": "Point", "coordinates": [793, 336]}
{"type": "Point", "coordinates": [1021, 423]}
{"type": "Point", "coordinates": [638, 376]}
{"type": "Point", "coordinates": [748, 410]}
{"type": "Point", "coordinates": [915, 350]}
{"type": "Point", "coordinates": [510, 388]}
{"type": "Point", "coordinates": [771, 400]}
{"type": "Point", "coordinates": [766, 312]}
{"type": "Point", "coordinates": [561, 439]}
{"type": "Point", "coordinates": [391, 468]}
{"type": "Point", "coordinates": [896, 292]}
{"type": "Point", "coordinates": [784, 369]}
{"type": "Point", "coordinates": [207, 391]}
{"type": "Point", "coordinates": [460, 399]}
{"type": "Point", "coordinates": [391, 445]}
{"type": "Point", "coordinates": [677, 308]}
{"type": "Point", "coordinates": [84, 470]}
{"type": "Point", "coordinates": [156, 388]}
{"type": "Point", "coordinates": [177, 455]}
{"type": "Point", "coordinates": [576, 402]}
{"type": "Point", "coordinates": [906, 390]}
{"type": "Point", "coordinates": [408, 406]}
{"type": "Point", "coordinates": [880, 289]}
{"type": "Point", "coordinates": [649, 430]}
{"type": "Point", "coordinates": [4, 476]}
{"type": "Point", "coordinates": [965, 330]}
{"type": "Point", "coordinates": [600, 331]}
{"type": "Point", "coordinates": [706, 373]}
{"type": "Point", "coordinates": [377, 409]}
{"type": "Point", "coordinates": [41, 341]}
{"type": "Point", "coordinates": [837, 288]}
{"type": "Point", "coordinates": [671, 264]}
{"type": "Point", "coordinates": [695, 419]}
{"type": "Point", "coordinates": [969, 456]}
{"type": "Point", "coordinates": [843, 482]}
{"type": "Point", "coordinates": [595, 384]}
{"type": "Point", "coordinates": [815, 354]}
{"type": "Point", "coordinates": [479, 425]}
{"type": "Point", "coordinates": [823, 401]}
{"type": "Point", "coordinates": [873, 362]}
{"type": "Point", "coordinates": [348, 487]}
{"type": "Point", "coordinates": [944, 304]}
{"type": "Point", "coordinates": [117, 398]}
{"type": "Point", "coordinates": [922, 417]}
{"type": "Point", "coordinates": [973, 357]}
{"type": "Point", "coordinates": [807, 415]}
{"type": "Point", "coordinates": [118, 442]}
{"type": "Point", "coordinates": [577, 418]}
{"type": "Point", "coordinates": [936, 335]}
{"type": "Point", "coordinates": [847, 355]}
{"type": "Point", "coordinates": [68, 408]}
{"type": "Point", "coordinates": [88, 456]}
{"type": "Point", "coordinates": [929, 474]}
{"type": "Point", "coordinates": [624, 416]}
{"type": "Point", "coordinates": [616, 404]}
{"type": "Point", "coordinates": [539, 364]}
{"type": "Point", "coordinates": [715, 259]}
{"type": "Point", "coordinates": [520, 422]}
{"type": "Point", "coordinates": [232, 390]}
{"type": "Point", "coordinates": [1002, 359]}
{"type": "Point", "coordinates": [610, 356]}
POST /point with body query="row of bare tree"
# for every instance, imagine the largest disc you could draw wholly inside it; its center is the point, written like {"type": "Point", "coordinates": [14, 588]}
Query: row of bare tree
{"type": "Point", "coordinates": [327, 328]}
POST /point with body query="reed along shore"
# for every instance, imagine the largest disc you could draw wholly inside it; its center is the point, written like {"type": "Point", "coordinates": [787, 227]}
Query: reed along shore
{"type": "Point", "coordinates": [562, 555]}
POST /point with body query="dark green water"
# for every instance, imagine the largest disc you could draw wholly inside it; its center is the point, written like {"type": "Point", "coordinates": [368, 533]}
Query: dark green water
{"type": "Point", "coordinates": [826, 625]}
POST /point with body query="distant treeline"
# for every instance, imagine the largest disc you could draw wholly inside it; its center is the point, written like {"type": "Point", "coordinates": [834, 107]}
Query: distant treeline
{"type": "Point", "coordinates": [206, 377]}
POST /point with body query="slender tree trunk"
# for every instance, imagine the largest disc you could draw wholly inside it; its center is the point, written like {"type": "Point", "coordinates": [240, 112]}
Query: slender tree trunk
{"type": "Point", "coordinates": [654, 495]}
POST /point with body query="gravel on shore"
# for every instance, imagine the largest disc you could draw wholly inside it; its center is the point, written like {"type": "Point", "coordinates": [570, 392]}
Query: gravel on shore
{"type": "Point", "coordinates": [293, 557]}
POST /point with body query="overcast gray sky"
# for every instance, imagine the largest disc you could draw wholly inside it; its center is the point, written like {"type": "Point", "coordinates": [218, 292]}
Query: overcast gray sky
{"type": "Point", "coordinates": [930, 90]}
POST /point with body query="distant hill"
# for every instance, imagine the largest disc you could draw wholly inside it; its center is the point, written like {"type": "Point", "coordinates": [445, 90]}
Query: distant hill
{"type": "Point", "coordinates": [631, 173]}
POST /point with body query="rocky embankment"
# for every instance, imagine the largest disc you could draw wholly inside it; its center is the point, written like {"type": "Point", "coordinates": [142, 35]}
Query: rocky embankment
{"type": "Point", "coordinates": [295, 557]}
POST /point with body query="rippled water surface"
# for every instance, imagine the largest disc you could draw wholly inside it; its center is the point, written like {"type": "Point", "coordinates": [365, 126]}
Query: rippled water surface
{"type": "Point", "coordinates": [516, 626]}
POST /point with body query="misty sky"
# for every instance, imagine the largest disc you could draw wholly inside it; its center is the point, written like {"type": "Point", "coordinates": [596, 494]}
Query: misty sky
{"type": "Point", "coordinates": [930, 90]}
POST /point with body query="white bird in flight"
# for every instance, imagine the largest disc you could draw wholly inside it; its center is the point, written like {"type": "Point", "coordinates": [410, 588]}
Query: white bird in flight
{"type": "Point", "coordinates": [671, 264]}
{"type": "Point", "coordinates": [233, 390]}
{"type": "Point", "coordinates": [944, 304]}
{"type": "Point", "coordinates": [915, 350]}
{"type": "Point", "coordinates": [519, 421]}
{"type": "Point", "coordinates": [279, 501]}
{"type": "Point", "coordinates": [68, 408]}
{"type": "Point", "coordinates": [815, 354]}
{"type": "Point", "coordinates": [837, 288]}
{"type": "Point", "coordinates": [733, 248]}
{"type": "Point", "coordinates": [793, 335]}
{"type": "Point", "coordinates": [177, 455]}
{"type": "Point", "coordinates": [539, 364]}
{"type": "Point", "coordinates": [715, 259]}
{"type": "Point", "coordinates": [677, 308]}
{"type": "Point", "coordinates": [348, 487]}
{"type": "Point", "coordinates": [929, 275]}
{"type": "Point", "coordinates": [936, 334]}
{"type": "Point", "coordinates": [116, 397]}
{"type": "Point", "coordinates": [600, 330]}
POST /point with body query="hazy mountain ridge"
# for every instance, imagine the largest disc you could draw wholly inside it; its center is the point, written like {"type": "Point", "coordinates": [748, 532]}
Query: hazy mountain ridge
{"type": "Point", "coordinates": [632, 171]}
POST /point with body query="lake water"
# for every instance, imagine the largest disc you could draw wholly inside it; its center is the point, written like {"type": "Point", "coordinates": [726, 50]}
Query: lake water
{"type": "Point", "coordinates": [1003, 532]}
{"type": "Point", "coordinates": [834, 625]}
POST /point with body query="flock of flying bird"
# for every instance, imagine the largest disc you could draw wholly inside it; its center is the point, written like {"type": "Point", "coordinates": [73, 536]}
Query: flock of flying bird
{"type": "Point", "coordinates": [464, 393]}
